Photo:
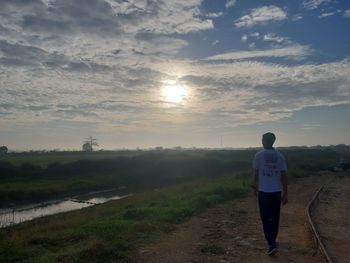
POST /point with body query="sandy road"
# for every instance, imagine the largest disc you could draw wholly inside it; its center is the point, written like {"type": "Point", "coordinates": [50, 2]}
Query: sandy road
{"type": "Point", "coordinates": [234, 229]}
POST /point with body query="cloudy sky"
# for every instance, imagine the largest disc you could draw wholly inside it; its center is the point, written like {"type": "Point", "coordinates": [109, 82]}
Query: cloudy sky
{"type": "Point", "coordinates": [145, 73]}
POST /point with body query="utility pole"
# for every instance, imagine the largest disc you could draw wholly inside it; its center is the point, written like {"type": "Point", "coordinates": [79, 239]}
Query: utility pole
{"type": "Point", "coordinates": [89, 143]}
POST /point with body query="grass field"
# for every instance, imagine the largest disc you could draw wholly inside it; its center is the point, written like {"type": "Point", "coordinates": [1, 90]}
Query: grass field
{"type": "Point", "coordinates": [112, 232]}
{"type": "Point", "coordinates": [36, 177]}
{"type": "Point", "coordinates": [43, 159]}
{"type": "Point", "coordinates": [31, 182]}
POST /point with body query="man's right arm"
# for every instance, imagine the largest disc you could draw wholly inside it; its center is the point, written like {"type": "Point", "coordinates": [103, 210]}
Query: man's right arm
{"type": "Point", "coordinates": [255, 183]}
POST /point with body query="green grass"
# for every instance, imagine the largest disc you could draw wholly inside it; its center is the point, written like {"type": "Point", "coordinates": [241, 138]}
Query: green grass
{"type": "Point", "coordinates": [45, 158]}
{"type": "Point", "coordinates": [113, 232]}
{"type": "Point", "coordinates": [46, 176]}
{"type": "Point", "coordinates": [51, 175]}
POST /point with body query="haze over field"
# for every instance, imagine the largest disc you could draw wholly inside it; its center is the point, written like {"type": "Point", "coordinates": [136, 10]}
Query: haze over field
{"type": "Point", "coordinates": [137, 73]}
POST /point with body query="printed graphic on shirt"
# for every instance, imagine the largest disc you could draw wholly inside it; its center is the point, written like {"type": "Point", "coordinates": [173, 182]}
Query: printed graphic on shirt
{"type": "Point", "coordinates": [270, 165]}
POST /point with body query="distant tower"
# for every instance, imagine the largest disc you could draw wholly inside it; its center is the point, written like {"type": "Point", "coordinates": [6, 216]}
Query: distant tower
{"type": "Point", "coordinates": [3, 150]}
{"type": "Point", "coordinates": [89, 143]}
{"type": "Point", "coordinates": [87, 147]}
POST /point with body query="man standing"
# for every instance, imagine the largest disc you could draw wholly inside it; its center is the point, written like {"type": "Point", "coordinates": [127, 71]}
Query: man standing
{"type": "Point", "coordinates": [270, 174]}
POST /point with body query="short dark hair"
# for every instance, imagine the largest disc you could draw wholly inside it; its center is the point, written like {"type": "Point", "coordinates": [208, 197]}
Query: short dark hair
{"type": "Point", "coordinates": [269, 138]}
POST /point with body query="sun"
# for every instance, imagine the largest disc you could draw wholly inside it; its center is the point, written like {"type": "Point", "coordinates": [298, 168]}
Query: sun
{"type": "Point", "coordinates": [174, 92]}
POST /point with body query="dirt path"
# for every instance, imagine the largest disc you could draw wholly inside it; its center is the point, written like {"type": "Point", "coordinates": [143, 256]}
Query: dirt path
{"type": "Point", "coordinates": [232, 232]}
{"type": "Point", "coordinates": [331, 216]}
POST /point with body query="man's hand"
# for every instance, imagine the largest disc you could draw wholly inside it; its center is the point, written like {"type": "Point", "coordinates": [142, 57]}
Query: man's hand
{"type": "Point", "coordinates": [255, 190]}
{"type": "Point", "coordinates": [284, 199]}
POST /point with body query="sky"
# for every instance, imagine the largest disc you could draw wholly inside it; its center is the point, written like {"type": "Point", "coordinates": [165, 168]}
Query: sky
{"type": "Point", "coordinates": [190, 73]}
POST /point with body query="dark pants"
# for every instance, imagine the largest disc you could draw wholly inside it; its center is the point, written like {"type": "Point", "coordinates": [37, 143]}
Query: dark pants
{"type": "Point", "coordinates": [269, 205]}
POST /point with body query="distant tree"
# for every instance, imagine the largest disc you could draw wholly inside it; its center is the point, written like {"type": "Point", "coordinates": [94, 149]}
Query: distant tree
{"type": "Point", "coordinates": [55, 150]}
{"type": "Point", "coordinates": [89, 143]}
{"type": "Point", "coordinates": [3, 150]}
{"type": "Point", "coordinates": [87, 147]}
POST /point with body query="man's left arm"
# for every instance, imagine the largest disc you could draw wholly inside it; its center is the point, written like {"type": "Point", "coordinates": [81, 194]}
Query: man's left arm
{"type": "Point", "coordinates": [285, 187]}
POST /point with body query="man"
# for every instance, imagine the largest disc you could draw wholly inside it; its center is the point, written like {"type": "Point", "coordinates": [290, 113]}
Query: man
{"type": "Point", "coordinates": [270, 174]}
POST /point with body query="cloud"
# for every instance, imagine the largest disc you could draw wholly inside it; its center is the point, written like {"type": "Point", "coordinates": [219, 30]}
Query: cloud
{"type": "Point", "coordinates": [230, 3]}
{"type": "Point", "coordinates": [98, 28]}
{"type": "Point", "coordinates": [222, 95]}
{"type": "Point", "coordinates": [313, 4]}
{"type": "Point", "coordinates": [22, 55]}
{"type": "Point", "coordinates": [215, 15]}
{"type": "Point", "coordinates": [69, 17]}
{"type": "Point", "coordinates": [30, 56]}
{"type": "Point", "coordinates": [274, 92]}
{"type": "Point", "coordinates": [70, 37]}
{"type": "Point", "coordinates": [161, 17]}
{"type": "Point", "coordinates": [327, 14]}
{"type": "Point", "coordinates": [292, 52]}
{"type": "Point", "coordinates": [271, 37]}
{"type": "Point", "coordinates": [261, 15]}
{"type": "Point", "coordinates": [49, 3]}
{"type": "Point", "coordinates": [297, 17]}
{"type": "Point", "coordinates": [252, 45]}
{"type": "Point", "coordinates": [102, 65]}
{"type": "Point", "coordinates": [151, 44]}
{"type": "Point", "coordinates": [245, 37]}
{"type": "Point", "coordinates": [115, 17]}
{"type": "Point", "coordinates": [347, 13]}
{"type": "Point", "coordinates": [323, 15]}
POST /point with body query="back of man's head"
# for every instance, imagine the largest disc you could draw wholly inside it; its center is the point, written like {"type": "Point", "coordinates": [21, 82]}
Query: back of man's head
{"type": "Point", "coordinates": [268, 139]}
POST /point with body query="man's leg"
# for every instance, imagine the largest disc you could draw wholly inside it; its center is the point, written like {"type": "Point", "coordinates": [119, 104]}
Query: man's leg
{"type": "Point", "coordinates": [276, 205]}
{"type": "Point", "coordinates": [266, 217]}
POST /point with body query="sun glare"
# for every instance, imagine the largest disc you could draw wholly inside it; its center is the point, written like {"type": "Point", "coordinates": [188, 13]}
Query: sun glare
{"type": "Point", "coordinates": [174, 92]}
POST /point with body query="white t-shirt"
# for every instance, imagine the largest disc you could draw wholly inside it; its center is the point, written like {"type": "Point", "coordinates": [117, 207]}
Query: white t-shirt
{"type": "Point", "coordinates": [270, 163]}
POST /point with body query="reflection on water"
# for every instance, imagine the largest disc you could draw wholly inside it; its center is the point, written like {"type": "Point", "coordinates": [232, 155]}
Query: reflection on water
{"type": "Point", "coordinates": [14, 216]}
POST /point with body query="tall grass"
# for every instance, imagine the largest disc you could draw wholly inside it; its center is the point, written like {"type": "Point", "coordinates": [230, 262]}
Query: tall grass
{"type": "Point", "coordinates": [138, 171]}
{"type": "Point", "coordinates": [31, 183]}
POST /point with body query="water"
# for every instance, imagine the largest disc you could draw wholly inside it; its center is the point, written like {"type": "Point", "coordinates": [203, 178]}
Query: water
{"type": "Point", "coordinates": [14, 216]}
